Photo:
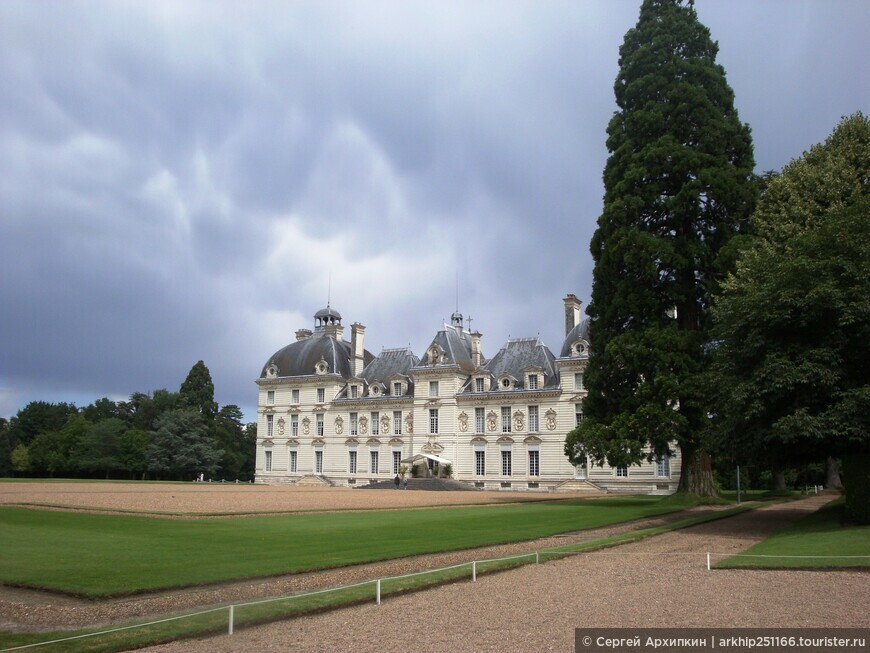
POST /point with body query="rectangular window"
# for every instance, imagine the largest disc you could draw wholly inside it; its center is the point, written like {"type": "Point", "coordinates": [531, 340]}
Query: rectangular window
{"type": "Point", "coordinates": [578, 413]}
{"type": "Point", "coordinates": [270, 397]}
{"type": "Point", "coordinates": [397, 388]}
{"type": "Point", "coordinates": [505, 419]}
{"type": "Point", "coordinates": [397, 461]}
{"type": "Point", "coordinates": [353, 423]}
{"type": "Point", "coordinates": [578, 382]}
{"type": "Point", "coordinates": [294, 456]}
{"type": "Point", "coordinates": [321, 395]}
{"type": "Point", "coordinates": [534, 463]}
{"type": "Point", "coordinates": [376, 424]}
{"type": "Point", "coordinates": [294, 395]}
{"type": "Point", "coordinates": [397, 422]}
{"type": "Point", "coordinates": [433, 388]}
{"type": "Point", "coordinates": [269, 425]}
{"type": "Point", "coordinates": [480, 462]}
{"type": "Point", "coordinates": [294, 425]}
{"type": "Point", "coordinates": [478, 420]}
{"type": "Point", "coordinates": [353, 392]}
{"type": "Point", "coordinates": [505, 462]}
{"type": "Point", "coordinates": [622, 471]}
{"type": "Point", "coordinates": [433, 420]}
{"type": "Point", "coordinates": [318, 462]}
{"type": "Point", "coordinates": [478, 384]}
{"type": "Point", "coordinates": [351, 462]}
{"type": "Point", "coordinates": [319, 422]}
{"type": "Point", "coordinates": [373, 462]}
{"type": "Point", "coordinates": [533, 419]}
{"type": "Point", "coordinates": [268, 461]}
{"type": "Point", "coordinates": [663, 466]}
{"type": "Point", "coordinates": [533, 381]}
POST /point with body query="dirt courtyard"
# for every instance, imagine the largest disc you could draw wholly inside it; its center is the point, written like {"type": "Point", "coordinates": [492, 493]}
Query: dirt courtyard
{"type": "Point", "coordinates": [218, 498]}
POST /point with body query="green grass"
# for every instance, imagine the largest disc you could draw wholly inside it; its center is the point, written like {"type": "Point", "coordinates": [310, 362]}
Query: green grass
{"type": "Point", "coordinates": [820, 536]}
{"type": "Point", "coordinates": [102, 555]}
{"type": "Point", "coordinates": [216, 620]}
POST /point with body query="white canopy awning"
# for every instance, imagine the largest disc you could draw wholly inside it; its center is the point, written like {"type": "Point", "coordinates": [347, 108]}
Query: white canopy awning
{"type": "Point", "coordinates": [417, 457]}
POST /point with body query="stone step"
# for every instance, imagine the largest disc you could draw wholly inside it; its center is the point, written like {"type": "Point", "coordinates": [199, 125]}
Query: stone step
{"type": "Point", "coordinates": [579, 485]}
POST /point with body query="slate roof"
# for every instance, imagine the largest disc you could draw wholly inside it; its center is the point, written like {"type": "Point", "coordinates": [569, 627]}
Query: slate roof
{"type": "Point", "coordinates": [389, 363]}
{"type": "Point", "coordinates": [580, 330]}
{"type": "Point", "coordinates": [299, 358]}
{"type": "Point", "coordinates": [520, 354]}
{"type": "Point", "coordinates": [456, 345]}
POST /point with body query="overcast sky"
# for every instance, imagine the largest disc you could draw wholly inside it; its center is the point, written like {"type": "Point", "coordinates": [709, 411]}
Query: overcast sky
{"type": "Point", "coordinates": [180, 180]}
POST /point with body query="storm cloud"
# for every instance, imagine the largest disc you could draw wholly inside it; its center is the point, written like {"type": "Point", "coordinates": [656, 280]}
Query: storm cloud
{"type": "Point", "coordinates": [194, 180]}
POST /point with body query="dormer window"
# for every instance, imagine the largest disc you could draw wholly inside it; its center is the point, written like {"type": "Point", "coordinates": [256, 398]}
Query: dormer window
{"type": "Point", "coordinates": [375, 391]}
{"type": "Point", "coordinates": [354, 391]}
{"type": "Point", "coordinates": [505, 383]}
{"type": "Point", "coordinates": [321, 368]}
{"type": "Point", "coordinates": [397, 388]}
{"type": "Point", "coordinates": [272, 371]}
{"type": "Point", "coordinates": [580, 348]}
{"type": "Point", "coordinates": [478, 384]}
{"type": "Point", "coordinates": [533, 382]}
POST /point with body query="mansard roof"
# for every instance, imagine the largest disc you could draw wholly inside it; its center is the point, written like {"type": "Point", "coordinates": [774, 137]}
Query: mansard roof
{"type": "Point", "coordinates": [455, 348]}
{"type": "Point", "coordinates": [520, 354]}
{"type": "Point", "coordinates": [388, 364]}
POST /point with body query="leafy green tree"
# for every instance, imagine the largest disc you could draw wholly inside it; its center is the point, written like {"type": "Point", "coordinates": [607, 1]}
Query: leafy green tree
{"type": "Point", "coordinates": [679, 186]}
{"type": "Point", "coordinates": [52, 452]}
{"type": "Point", "coordinates": [133, 452]}
{"type": "Point", "coordinates": [21, 459]}
{"type": "Point", "coordinates": [6, 468]}
{"type": "Point", "coordinates": [181, 447]}
{"type": "Point", "coordinates": [231, 439]}
{"type": "Point", "coordinates": [793, 323]}
{"type": "Point", "coordinates": [98, 452]}
{"type": "Point", "coordinates": [38, 417]}
{"type": "Point", "coordinates": [197, 391]}
{"type": "Point", "coordinates": [101, 409]}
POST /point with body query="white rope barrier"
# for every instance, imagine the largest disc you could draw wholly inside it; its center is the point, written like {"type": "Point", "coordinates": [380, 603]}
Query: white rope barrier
{"type": "Point", "coordinates": [377, 582]}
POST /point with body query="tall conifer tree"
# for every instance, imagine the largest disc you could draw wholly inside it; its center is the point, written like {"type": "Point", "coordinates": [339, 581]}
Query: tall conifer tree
{"type": "Point", "coordinates": [679, 186]}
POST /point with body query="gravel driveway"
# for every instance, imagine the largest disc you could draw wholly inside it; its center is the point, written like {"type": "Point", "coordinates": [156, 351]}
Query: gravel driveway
{"type": "Point", "coordinates": [659, 582]}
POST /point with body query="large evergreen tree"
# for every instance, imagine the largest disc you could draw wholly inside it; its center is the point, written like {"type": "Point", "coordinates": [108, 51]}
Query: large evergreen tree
{"type": "Point", "coordinates": [679, 185]}
{"type": "Point", "coordinates": [197, 392]}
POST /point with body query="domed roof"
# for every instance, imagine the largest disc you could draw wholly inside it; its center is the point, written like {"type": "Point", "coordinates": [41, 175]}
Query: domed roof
{"type": "Point", "coordinates": [301, 358]}
{"type": "Point", "coordinates": [579, 332]}
{"type": "Point", "coordinates": [327, 312]}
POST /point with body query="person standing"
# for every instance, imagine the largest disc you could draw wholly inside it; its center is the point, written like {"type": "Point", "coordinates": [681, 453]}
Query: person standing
{"type": "Point", "coordinates": [396, 481]}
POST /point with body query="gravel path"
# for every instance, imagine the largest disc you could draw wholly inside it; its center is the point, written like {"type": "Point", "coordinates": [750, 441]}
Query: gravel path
{"type": "Point", "coordinates": [659, 582]}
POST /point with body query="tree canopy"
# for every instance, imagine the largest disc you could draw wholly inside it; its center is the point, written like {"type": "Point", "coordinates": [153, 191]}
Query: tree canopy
{"type": "Point", "coordinates": [679, 186]}
{"type": "Point", "coordinates": [792, 333]}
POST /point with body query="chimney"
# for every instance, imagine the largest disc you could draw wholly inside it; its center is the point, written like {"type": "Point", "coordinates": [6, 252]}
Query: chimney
{"type": "Point", "coordinates": [476, 356]}
{"type": "Point", "coordinates": [335, 330]}
{"type": "Point", "coordinates": [572, 312]}
{"type": "Point", "coordinates": [302, 334]}
{"type": "Point", "coordinates": [357, 351]}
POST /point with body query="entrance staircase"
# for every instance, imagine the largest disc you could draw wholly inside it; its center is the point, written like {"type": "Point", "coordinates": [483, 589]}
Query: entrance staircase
{"type": "Point", "coordinates": [580, 486]}
{"type": "Point", "coordinates": [313, 480]}
{"type": "Point", "coordinates": [431, 484]}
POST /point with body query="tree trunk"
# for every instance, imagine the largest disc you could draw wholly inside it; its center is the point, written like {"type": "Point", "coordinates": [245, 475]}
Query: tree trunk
{"type": "Point", "coordinates": [778, 479]}
{"type": "Point", "coordinates": [696, 475]}
{"type": "Point", "coordinates": [832, 475]}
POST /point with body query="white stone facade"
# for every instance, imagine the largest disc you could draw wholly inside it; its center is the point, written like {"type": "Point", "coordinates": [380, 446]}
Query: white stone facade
{"type": "Point", "coordinates": [330, 411]}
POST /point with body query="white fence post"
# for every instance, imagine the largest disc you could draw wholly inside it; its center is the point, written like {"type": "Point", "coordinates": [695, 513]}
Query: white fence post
{"type": "Point", "coordinates": [379, 591]}
{"type": "Point", "coordinates": [231, 619]}
{"type": "Point", "coordinates": [474, 571]}
{"type": "Point", "coordinates": [708, 561]}
{"type": "Point", "coordinates": [537, 558]}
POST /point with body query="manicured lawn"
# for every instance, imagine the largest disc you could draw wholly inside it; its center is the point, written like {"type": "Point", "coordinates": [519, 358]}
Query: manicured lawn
{"type": "Point", "coordinates": [821, 537]}
{"type": "Point", "coordinates": [99, 555]}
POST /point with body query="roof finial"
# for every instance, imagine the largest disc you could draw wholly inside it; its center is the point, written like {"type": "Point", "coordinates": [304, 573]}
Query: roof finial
{"type": "Point", "coordinates": [329, 290]}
